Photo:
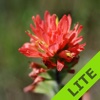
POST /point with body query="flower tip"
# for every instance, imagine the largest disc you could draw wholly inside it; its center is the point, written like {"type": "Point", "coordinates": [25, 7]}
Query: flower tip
{"type": "Point", "coordinates": [81, 26]}
{"type": "Point", "coordinates": [69, 15]}
{"type": "Point", "coordinates": [46, 11]}
{"type": "Point", "coordinates": [84, 44]}
{"type": "Point", "coordinates": [19, 49]}
{"type": "Point", "coordinates": [60, 65]}
{"type": "Point", "coordinates": [46, 14]}
{"type": "Point", "coordinates": [28, 88]}
{"type": "Point", "coordinates": [33, 17]}
{"type": "Point", "coordinates": [26, 32]}
{"type": "Point", "coordinates": [31, 25]}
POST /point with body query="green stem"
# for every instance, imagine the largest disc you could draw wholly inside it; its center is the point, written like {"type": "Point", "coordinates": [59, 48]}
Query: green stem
{"type": "Point", "coordinates": [58, 77]}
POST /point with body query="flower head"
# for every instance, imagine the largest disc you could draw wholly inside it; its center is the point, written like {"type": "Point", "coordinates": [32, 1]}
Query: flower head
{"type": "Point", "coordinates": [53, 41]}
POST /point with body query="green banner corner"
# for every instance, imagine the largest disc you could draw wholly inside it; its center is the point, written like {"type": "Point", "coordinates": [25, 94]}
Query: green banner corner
{"type": "Point", "coordinates": [82, 81]}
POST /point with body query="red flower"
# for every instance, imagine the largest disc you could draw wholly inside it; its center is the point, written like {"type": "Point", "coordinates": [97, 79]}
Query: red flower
{"type": "Point", "coordinates": [36, 70]}
{"type": "Point", "coordinates": [53, 41]}
{"type": "Point", "coordinates": [31, 87]}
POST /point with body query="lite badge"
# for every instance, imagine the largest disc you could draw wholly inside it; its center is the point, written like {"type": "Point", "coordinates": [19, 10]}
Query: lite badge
{"type": "Point", "coordinates": [82, 81]}
{"type": "Point", "coordinates": [90, 73]}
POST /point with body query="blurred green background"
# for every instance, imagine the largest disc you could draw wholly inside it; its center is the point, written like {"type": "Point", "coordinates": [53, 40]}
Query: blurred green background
{"type": "Point", "coordinates": [15, 18]}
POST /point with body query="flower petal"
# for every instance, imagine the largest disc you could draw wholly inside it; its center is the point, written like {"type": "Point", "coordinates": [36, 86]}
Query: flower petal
{"type": "Point", "coordinates": [29, 88]}
{"type": "Point", "coordinates": [28, 50]}
{"type": "Point", "coordinates": [60, 65]}
{"type": "Point", "coordinates": [79, 39]}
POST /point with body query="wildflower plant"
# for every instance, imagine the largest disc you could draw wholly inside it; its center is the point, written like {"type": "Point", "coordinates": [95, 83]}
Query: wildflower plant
{"type": "Point", "coordinates": [57, 45]}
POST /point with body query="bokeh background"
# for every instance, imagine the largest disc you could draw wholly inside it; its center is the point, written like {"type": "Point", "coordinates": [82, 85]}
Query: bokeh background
{"type": "Point", "coordinates": [15, 18]}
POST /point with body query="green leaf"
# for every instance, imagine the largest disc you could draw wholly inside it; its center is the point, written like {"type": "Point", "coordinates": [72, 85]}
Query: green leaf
{"type": "Point", "coordinates": [49, 88]}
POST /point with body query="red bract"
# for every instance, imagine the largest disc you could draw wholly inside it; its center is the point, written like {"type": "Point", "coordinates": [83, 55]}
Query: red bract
{"type": "Point", "coordinates": [31, 87]}
{"type": "Point", "coordinates": [53, 41]}
{"type": "Point", "coordinates": [36, 70]}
